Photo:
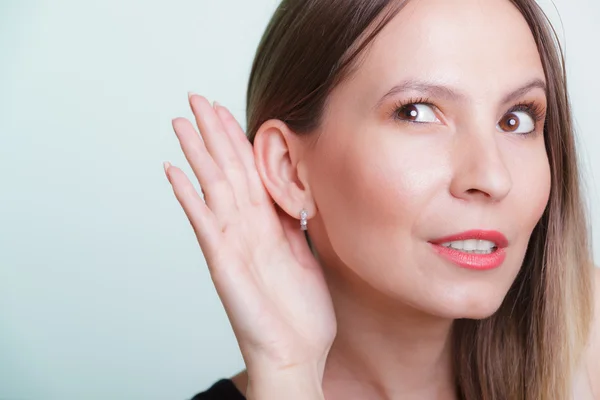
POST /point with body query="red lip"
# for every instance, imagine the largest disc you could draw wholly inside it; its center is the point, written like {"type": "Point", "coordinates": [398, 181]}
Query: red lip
{"type": "Point", "coordinates": [492, 236]}
{"type": "Point", "coordinates": [473, 260]}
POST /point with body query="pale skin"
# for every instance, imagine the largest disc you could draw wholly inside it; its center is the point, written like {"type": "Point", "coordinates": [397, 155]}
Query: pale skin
{"type": "Point", "coordinates": [377, 187]}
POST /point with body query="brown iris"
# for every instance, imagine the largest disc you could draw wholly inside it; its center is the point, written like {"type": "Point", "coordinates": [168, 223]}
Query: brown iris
{"type": "Point", "coordinates": [509, 123]}
{"type": "Point", "coordinates": [409, 112]}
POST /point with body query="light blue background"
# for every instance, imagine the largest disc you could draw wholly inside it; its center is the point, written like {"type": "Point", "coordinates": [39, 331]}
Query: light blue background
{"type": "Point", "coordinates": [104, 293]}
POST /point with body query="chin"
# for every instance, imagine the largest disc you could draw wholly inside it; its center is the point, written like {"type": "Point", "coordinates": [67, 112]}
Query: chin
{"type": "Point", "coordinates": [468, 305]}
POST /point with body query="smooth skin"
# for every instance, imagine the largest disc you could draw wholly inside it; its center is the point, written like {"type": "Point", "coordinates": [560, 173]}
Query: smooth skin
{"type": "Point", "coordinates": [270, 288]}
{"type": "Point", "coordinates": [378, 185]}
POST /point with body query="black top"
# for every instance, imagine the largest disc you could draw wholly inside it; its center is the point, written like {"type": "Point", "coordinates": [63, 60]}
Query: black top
{"type": "Point", "coordinates": [221, 390]}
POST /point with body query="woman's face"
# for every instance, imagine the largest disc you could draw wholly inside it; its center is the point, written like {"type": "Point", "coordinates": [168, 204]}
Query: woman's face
{"type": "Point", "coordinates": [387, 179]}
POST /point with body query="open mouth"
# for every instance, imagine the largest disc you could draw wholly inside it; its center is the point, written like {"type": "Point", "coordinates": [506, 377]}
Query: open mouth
{"type": "Point", "coordinates": [472, 246]}
{"type": "Point", "coordinates": [485, 259]}
{"type": "Point", "coordinates": [474, 249]}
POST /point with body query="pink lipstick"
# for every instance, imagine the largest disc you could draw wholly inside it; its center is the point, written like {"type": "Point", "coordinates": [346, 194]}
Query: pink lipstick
{"type": "Point", "coordinates": [468, 259]}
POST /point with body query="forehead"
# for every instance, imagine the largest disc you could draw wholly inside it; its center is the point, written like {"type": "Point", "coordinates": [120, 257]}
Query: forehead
{"type": "Point", "coordinates": [481, 46]}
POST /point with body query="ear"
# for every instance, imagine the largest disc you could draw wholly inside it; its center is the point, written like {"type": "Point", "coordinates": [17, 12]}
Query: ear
{"type": "Point", "coordinates": [279, 156]}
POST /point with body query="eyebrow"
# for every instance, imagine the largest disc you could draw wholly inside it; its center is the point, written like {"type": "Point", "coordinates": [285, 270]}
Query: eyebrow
{"type": "Point", "coordinates": [440, 91]}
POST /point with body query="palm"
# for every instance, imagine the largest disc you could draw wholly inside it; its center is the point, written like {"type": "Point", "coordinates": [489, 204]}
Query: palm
{"type": "Point", "coordinates": [271, 286]}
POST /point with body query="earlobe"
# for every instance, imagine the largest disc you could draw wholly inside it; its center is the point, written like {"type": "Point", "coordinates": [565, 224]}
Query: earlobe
{"type": "Point", "coordinates": [278, 157]}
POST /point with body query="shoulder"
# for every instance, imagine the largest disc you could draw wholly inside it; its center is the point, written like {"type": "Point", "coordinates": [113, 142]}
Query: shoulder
{"type": "Point", "coordinates": [224, 389]}
{"type": "Point", "coordinates": [592, 356]}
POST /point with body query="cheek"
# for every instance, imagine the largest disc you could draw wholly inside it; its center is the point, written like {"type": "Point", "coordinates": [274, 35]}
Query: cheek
{"type": "Point", "coordinates": [531, 189]}
{"type": "Point", "coordinates": [371, 194]}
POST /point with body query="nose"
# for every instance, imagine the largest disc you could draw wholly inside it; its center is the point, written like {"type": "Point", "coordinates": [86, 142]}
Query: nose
{"type": "Point", "coordinates": [479, 168]}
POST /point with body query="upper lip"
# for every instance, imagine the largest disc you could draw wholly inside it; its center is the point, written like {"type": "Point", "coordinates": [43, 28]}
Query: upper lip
{"type": "Point", "coordinates": [493, 236]}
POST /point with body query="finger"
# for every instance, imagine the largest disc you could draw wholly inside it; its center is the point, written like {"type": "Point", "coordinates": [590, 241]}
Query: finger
{"type": "Point", "coordinates": [240, 141]}
{"type": "Point", "coordinates": [219, 146]}
{"type": "Point", "coordinates": [245, 152]}
{"type": "Point", "coordinates": [233, 281]}
{"type": "Point", "coordinates": [203, 221]}
{"type": "Point", "coordinates": [296, 238]}
{"type": "Point", "coordinates": [217, 191]}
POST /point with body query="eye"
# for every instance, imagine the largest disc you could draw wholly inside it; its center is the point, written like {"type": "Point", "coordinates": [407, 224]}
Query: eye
{"type": "Point", "coordinates": [519, 122]}
{"type": "Point", "coordinates": [417, 112]}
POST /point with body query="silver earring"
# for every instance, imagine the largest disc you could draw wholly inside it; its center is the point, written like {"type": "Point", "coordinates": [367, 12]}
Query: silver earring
{"type": "Point", "coordinates": [303, 221]}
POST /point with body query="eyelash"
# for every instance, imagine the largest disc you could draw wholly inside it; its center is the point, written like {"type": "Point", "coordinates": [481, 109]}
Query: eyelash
{"type": "Point", "coordinates": [535, 111]}
{"type": "Point", "coordinates": [400, 104]}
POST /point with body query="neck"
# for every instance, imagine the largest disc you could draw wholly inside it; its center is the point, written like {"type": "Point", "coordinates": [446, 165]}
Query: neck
{"type": "Point", "coordinates": [385, 349]}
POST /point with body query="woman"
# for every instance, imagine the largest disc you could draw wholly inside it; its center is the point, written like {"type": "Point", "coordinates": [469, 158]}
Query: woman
{"type": "Point", "coordinates": [427, 149]}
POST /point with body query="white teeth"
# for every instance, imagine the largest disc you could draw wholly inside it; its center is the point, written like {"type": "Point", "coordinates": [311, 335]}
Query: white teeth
{"type": "Point", "coordinates": [472, 246]}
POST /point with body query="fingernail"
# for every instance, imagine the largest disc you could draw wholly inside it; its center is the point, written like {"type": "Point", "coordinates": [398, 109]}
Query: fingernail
{"type": "Point", "coordinates": [190, 94]}
{"type": "Point", "coordinates": [215, 104]}
{"type": "Point", "coordinates": [166, 166]}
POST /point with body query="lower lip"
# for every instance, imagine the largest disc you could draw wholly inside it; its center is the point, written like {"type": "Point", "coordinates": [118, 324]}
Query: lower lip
{"type": "Point", "coordinates": [475, 261]}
